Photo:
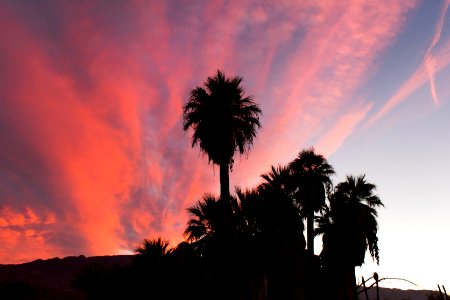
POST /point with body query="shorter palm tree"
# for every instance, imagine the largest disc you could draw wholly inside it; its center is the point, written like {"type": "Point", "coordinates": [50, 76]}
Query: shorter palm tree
{"type": "Point", "coordinates": [204, 219]}
{"type": "Point", "coordinates": [154, 248]}
{"type": "Point", "coordinates": [282, 234]}
{"type": "Point", "coordinates": [349, 227]}
{"type": "Point", "coordinates": [226, 248]}
{"type": "Point", "coordinates": [311, 175]}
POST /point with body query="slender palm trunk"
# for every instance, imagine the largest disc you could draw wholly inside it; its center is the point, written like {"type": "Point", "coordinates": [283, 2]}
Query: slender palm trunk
{"type": "Point", "coordinates": [310, 231]}
{"type": "Point", "coordinates": [354, 294]}
{"type": "Point", "coordinates": [224, 181]}
{"type": "Point", "coordinates": [345, 283]}
{"type": "Point", "coordinates": [350, 284]}
{"type": "Point", "coordinates": [225, 203]}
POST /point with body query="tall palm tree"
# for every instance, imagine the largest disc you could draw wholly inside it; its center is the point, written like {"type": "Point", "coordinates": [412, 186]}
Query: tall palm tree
{"type": "Point", "coordinates": [349, 228]}
{"type": "Point", "coordinates": [311, 172]}
{"type": "Point", "coordinates": [223, 120]}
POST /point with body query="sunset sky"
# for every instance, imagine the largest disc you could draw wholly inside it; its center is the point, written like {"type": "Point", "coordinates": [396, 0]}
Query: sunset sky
{"type": "Point", "coordinates": [93, 158]}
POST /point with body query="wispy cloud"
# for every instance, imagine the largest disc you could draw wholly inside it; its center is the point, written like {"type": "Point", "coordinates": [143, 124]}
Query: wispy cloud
{"type": "Point", "coordinates": [432, 64]}
{"type": "Point", "coordinates": [414, 82]}
{"type": "Point", "coordinates": [429, 60]}
{"type": "Point", "coordinates": [333, 139]}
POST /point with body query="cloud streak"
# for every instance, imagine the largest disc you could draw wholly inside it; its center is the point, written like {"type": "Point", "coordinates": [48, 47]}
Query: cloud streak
{"type": "Point", "coordinates": [413, 83]}
{"type": "Point", "coordinates": [93, 155]}
{"type": "Point", "coordinates": [432, 64]}
{"type": "Point", "coordinates": [429, 60]}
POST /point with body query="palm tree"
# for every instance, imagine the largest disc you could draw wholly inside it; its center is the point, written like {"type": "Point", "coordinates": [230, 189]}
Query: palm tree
{"type": "Point", "coordinates": [349, 228]}
{"type": "Point", "coordinates": [279, 178]}
{"type": "Point", "coordinates": [353, 209]}
{"type": "Point", "coordinates": [154, 248]}
{"type": "Point", "coordinates": [282, 234]}
{"type": "Point", "coordinates": [281, 211]}
{"type": "Point", "coordinates": [311, 172]}
{"type": "Point", "coordinates": [204, 219]}
{"type": "Point", "coordinates": [226, 247]}
{"type": "Point", "coordinates": [223, 121]}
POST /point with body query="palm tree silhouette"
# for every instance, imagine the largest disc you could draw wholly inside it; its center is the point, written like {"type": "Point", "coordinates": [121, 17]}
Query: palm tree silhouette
{"type": "Point", "coordinates": [154, 249]}
{"type": "Point", "coordinates": [282, 234]}
{"type": "Point", "coordinates": [349, 227]}
{"type": "Point", "coordinates": [204, 219]}
{"type": "Point", "coordinates": [223, 121]}
{"type": "Point", "coordinates": [311, 172]}
{"type": "Point", "coordinates": [226, 247]}
{"type": "Point", "coordinates": [280, 209]}
{"type": "Point", "coordinates": [207, 231]}
{"type": "Point", "coordinates": [279, 178]}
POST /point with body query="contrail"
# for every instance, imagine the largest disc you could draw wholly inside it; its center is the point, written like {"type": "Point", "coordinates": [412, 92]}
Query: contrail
{"type": "Point", "coordinates": [429, 59]}
{"type": "Point", "coordinates": [425, 72]}
{"type": "Point", "coordinates": [415, 81]}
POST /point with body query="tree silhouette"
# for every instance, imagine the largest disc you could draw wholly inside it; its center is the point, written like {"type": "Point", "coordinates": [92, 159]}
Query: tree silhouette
{"type": "Point", "coordinates": [223, 121]}
{"type": "Point", "coordinates": [226, 247]}
{"type": "Point", "coordinates": [281, 215]}
{"type": "Point", "coordinates": [282, 233]}
{"type": "Point", "coordinates": [204, 219]}
{"type": "Point", "coordinates": [153, 249]}
{"type": "Point", "coordinates": [311, 173]}
{"type": "Point", "coordinates": [349, 227]}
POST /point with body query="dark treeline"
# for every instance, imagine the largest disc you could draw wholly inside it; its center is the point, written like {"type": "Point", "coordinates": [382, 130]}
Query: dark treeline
{"type": "Point", "coordinates": [254, 247]}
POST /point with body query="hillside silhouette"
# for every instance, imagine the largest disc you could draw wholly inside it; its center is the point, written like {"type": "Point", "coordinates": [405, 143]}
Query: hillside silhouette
{"type": "Point", "coordinates": [54, 279]}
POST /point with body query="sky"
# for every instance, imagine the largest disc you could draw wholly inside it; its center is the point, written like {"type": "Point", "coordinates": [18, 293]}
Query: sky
{"type": "Point", "coordinates": [93, 157]}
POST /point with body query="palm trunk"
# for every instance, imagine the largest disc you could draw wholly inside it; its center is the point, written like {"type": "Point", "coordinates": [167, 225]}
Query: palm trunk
{"type": "Point", "coordinates": [225, 203]}
{"type": "Point", "coordinates": [345, 283]}
{"type": "Point", "coordinates": [224, 181]}
{"type": "Point", "coordinates": [310, 232]}
{"type": "Point", "coordinates": [350, 284]}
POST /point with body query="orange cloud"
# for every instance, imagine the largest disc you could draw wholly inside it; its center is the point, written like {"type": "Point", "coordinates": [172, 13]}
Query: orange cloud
{"type": "Point", "coordinates": [23, 234]}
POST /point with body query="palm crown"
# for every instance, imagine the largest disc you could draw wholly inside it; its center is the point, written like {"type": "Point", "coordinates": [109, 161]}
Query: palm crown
{"type": "Point", "coordinates": [351, 221]}
{"type": "Point", "coordinates": [311, 173]}
{"type": "Point", "coordinates": [222, 118]}
{"type": "Point", "coordinates": [223, 121]}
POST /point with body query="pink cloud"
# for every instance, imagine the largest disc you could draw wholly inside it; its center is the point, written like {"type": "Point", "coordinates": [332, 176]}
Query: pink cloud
{"type": "Point", "coordinates": [344, 126]}
{"type": "Point", "coordinates": [333, 59]}
{"type": "Point", "coordinates": [429, 60]}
